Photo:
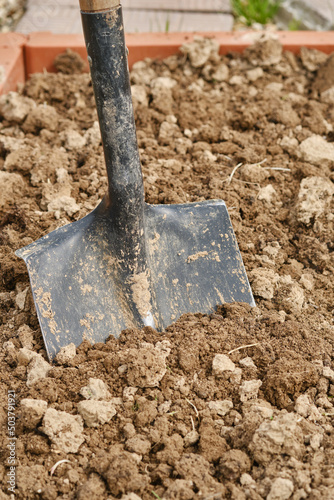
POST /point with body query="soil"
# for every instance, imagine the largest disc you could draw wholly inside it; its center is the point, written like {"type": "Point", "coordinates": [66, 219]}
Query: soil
{"type": "Point", "coordinates": [235, 404]}
{"type": "Point", "coordinates": [11, 12]}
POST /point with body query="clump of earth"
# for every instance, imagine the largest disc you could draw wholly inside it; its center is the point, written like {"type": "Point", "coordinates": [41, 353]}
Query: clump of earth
{"type": "Point", "coordinates": [11, 12]}
{"type": "Point", "coordinates": [236, 404]}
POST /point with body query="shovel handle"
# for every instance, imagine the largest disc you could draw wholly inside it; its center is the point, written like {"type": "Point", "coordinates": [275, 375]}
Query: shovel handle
{"type": "Point", "coordinates": [123, 205]}
{"type": "Point", "coordinates": [98, 5]}
{"type": "Point", "coordinates": [107, 56]}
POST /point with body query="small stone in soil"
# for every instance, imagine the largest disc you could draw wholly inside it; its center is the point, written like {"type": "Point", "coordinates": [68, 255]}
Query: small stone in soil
{"type": "Point", "coordinates": [96, 413]}
{"type": "Point", "coordinates": [221, 407]}
{"type": "Point", "coordinates": [38, 368]}
{"type": "Point", "coordinates": [66, 353]}
{"type": "Point", "coordinates": [96, 389]}
{"type": "Point", "coordinates": [32, 412]}
{"type": "Point", "coordinates": [249, 389]}
{"type": "Point", "coordinates": [221, 364]}
{"type": "Point", "coordinates": [281, 489]}
{"type": "Point", "coordinates": [65, 431]}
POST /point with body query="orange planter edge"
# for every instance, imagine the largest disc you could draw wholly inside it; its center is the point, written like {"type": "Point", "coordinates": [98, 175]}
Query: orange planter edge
{"type": "Point", "coordinates": [41, 48]}
{"type": "Point", "coordinates": [36, 52]}
{"type": "Point", "coordinates": [12, 61]}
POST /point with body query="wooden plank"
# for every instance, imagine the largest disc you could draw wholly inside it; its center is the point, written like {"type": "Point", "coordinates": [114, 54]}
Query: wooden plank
{"type": "Point", "coordinates": [74, 4]}
{"type": "Point", "coordinates": [152, 21]}
{"type": "Point", "coordinates": [50, 16]}
{"type": "Point", "coordinates": [179, 5]}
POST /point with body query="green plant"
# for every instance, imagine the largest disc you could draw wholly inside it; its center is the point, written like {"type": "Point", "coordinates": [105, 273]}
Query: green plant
{"type": "Point", "coordinates": [135, 406]}
{"type": "Point", "coordinates": [255, 11]}
{"type": "Point", "coordinates": [167, 25]}
{"type": "Point", "coordinates": [294, 25]}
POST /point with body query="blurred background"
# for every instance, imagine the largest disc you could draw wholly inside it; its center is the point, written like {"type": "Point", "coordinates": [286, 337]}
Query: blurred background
{"type": "Point", "coordinates": [62, 16]}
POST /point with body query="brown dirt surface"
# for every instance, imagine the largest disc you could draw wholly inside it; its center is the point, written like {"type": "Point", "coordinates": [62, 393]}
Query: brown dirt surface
{"type": "Point", "coordinates": [238, 404]}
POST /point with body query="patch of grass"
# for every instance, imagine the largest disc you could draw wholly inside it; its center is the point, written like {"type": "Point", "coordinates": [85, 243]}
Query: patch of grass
{"type": "Point", "coordinates": [294, 25]}
{"type": "Point", "coordinates": [255, 11]}
{"type": "Point", "coordinates": [167, 25]}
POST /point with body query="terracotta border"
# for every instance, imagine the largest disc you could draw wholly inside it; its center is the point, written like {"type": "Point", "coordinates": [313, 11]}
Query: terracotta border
{"type": "Point", "coordinates": [12, 61]}
{"type": "Point", "coordinates": [41, 48]}
{"type": "Point", "coordinates": [36, 52]}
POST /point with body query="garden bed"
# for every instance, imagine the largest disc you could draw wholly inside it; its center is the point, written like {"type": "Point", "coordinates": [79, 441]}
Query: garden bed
{"type": "Point", "coordinates": [237, 404]}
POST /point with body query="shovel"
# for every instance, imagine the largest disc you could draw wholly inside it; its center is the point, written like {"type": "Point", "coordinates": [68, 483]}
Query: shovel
{"type": "Point", "coordinates": [128, 264]}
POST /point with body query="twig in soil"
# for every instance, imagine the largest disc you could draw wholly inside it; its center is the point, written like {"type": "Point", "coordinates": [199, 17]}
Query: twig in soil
{"type": "Point", "coordinates": [192, 422]}
{"type": "Point", "coordinates": [192, 404]}
{"type": "Point", "coordinates": [278, 168]}
{"type": "Point", "coordinates": [258, 162]}
{"type": "Point", "coordinates": [243, 347]}
{"type": "Point", "coordinates": [155, 444]}
{"type": "Point", "coordinates": [54, 467]}
{"type": "Point", "coordinates": [233, 172]}
{"type": "Point", "coordinates": [156, 495]}
{"type": "Point", "coordinates": [229, 179]}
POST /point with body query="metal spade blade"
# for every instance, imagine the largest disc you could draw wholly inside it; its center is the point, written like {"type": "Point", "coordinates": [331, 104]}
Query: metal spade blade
{"type": "Point", "coordinates": [128, 264]}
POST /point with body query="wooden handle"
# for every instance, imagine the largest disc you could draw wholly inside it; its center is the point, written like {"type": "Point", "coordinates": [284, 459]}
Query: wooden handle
{"type": "Point", "coordinates": [98, 5]}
